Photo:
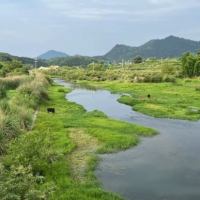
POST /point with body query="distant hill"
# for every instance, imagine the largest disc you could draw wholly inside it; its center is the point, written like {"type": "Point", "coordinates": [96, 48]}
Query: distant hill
{"type": "Point", "coordinates": [171, 47]}
{"type": "Point", "coordinates": [5, 57]}
{"type": "Point", "coordinates": [52, 54]}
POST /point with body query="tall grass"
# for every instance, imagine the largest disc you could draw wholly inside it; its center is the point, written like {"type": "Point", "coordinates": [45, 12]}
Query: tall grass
{"type": "Point", "coordinates": [16, 113]}
{"type": "Point", "coordinates": [19, 178]}
{"type": "Point", "coordinates": [12, 82]}
{"type": "Point", "coordinates": [3, 93]}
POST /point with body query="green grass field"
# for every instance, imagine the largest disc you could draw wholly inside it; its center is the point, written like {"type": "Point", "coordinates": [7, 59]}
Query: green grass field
{"type": "Point", "coordinates": [54, 130]}
{"type": "Point", "coordinates": [178, 100]}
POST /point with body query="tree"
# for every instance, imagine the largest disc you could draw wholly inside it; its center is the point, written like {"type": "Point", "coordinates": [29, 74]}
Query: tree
{"type": "Point", "coordinates": [198, 52]}
{"type": "Point", "coordinates": [190, 65]}
{"type": "Point", "coordinates": [137, 59]}
{"type": "Point", "coordinates": [197, 68]}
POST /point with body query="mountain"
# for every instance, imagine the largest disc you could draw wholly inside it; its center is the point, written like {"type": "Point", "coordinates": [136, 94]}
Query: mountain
{"type": "Point", "coordinates": [5, 57]}
{"type": "Point", "coordinates": [52, 54]}
{"type": "Point", "coordinates": [170, 47]}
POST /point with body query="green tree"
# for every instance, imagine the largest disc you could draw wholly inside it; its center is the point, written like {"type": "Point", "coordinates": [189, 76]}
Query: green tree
{"type": "Point", "coordinates": [189, 65]}
{"type": "Point", "coordinates": [198, 52]}
{"type": "Point", "coordinates": [197, 68]}
{"type": "Point", "coordinates": [184, 59]}
{"type": "Point", "coordinates": [137, 59]}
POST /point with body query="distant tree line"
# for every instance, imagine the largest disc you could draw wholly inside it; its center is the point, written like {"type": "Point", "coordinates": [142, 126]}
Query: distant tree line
{"type": "Point", "coordinates": [28, 62]}
{"type": "Point", "coordinates": [81, 61]}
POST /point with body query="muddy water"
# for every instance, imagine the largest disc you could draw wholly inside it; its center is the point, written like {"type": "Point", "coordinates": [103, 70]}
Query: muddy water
{"type": "Point", "coordinates": [164, 167]}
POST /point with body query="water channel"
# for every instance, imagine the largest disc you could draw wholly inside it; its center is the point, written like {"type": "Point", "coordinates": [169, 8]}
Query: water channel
{"type": "Point", "coordinates": [164, 167]}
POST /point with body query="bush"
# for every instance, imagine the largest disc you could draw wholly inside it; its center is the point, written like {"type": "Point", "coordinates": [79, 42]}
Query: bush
{"type": "Point", "coordinates": [19, 183]}
{"type": "Point", "coordinates": [167, 78]}
{"type": "Point", "coordinates": [197, 89]}
{"type": "Point", "coordinates": [61, 90]}
{"type": "Point", "coordinates": [4, 106]}
{"type": "Point", "coordinates": [2, 92]}
{"type": "Point", "coordinates": [168, 69]}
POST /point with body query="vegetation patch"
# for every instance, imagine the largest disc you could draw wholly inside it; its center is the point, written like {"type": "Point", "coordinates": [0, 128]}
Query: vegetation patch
{"type": "Point", "coordinates": [61, 148]}
{"type": "Point", "coordinates": [81, 155]}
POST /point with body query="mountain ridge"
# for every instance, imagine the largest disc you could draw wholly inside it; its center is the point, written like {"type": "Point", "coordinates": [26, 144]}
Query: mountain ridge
{"type": "Point", "coordinates": [169, 47]}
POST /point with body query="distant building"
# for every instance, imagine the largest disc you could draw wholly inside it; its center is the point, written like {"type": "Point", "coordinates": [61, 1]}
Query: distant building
{"type": "Point", "coordinates": [50, 67]}
{"type": "Point", "coordinates": [54, 67]}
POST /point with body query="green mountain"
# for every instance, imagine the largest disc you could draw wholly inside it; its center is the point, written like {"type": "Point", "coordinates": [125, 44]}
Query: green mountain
{"type": "Point", "coordinates": [52, 54]}
{"type": "Point", "coordinates": [170, 47]}
{"type": "Point", "coordinates": [5, 57]}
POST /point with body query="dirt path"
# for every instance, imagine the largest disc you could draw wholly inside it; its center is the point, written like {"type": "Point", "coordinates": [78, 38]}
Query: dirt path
{"type": "Point", "coordinates": [85, 146]}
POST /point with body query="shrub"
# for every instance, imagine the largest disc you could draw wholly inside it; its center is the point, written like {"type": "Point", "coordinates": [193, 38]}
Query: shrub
{"type": "Point", "coordinates": [197, 89]}
{"type": "Point", "coordinates": [9, 126]}
{"type": "Point", "coordinates": [4, 106]}
{"type": "Point", "coordinates": [167, 78]}
{"type": "Point", "coordinates": [2, 92]}
{"type": "Point", "coordinates": [61, 90]}
{"type": "Point", "coordinates": [168, 69]}
{"type": "Point", "coordinates": [20, 183]}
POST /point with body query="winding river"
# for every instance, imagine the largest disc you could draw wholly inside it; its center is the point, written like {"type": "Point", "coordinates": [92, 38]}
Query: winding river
{"type": "Point", "coordinates": [164, 167]}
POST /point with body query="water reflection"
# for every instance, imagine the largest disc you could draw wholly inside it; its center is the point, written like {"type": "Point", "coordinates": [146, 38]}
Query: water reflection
{"type": "Point", "coordinates": [165, 167]}
{"type": "Point", "coordinates": [82, 86]}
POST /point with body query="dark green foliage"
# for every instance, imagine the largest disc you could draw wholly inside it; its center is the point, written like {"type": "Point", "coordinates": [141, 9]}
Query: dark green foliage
{"type": "Point", "coordinates": [13, 67]}
{"type": "Point", "coordinates": [2, 91]}
{"type": "Point", "coordinates": [137, 59]}
{"type": "Point", "coordinates": [5, 57]}
{"type": "Point", "coordinates": [190, 65]}
{"type": "Point", "coordinates": [18, 183]}
{"type": "Point", "coordinates": [95, 113]}
{"type": "Point", "coordinates": [168, 69]}
{"type": "Point", "coordinates": [61, 90]}
{"type": "Point", "coordinates": [79, 61]}
{"type": "Point", "coordinates": [197, 89]}
{"type": "Point", "coordinates": [198, 52]}
{"type": "Point", "coordinates": [49, 79]}
{"type": "Point", "coordinates": [169, 78]}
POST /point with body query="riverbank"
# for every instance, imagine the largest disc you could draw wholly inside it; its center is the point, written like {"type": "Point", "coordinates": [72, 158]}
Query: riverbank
{"type": "Point", "coordinates": [178, 100]}
{"type": "Point", "coordinates": [56, 129]}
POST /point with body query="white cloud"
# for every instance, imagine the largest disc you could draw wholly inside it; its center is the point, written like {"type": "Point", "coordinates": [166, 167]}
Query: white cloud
{"type": "Point", "coordinates": [117, 9]}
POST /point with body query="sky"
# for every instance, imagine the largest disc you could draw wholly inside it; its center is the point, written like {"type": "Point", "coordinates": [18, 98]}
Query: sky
{"type": "Point", "coordinates": [92, 27]}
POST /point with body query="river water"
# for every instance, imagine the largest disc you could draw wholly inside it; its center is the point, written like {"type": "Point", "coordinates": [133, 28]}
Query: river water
{"type": "Point", "coordinates": [164, 167]}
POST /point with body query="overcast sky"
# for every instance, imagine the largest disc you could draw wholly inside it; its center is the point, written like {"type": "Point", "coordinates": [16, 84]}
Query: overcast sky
{"type": "Point", "coordinates": [92, 27]}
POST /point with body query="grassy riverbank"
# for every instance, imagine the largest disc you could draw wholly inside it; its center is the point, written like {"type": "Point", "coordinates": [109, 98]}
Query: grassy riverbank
{"type": "Point", "coordinates": [178, 100]}
{"type": "Point", "coordinates": [63, 159]}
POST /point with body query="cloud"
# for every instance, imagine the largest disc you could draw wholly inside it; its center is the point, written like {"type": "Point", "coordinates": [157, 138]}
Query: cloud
{"type": "Point", "coordinates": [117, 9]}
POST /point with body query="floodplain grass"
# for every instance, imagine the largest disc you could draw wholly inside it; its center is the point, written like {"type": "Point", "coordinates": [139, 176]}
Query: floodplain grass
{"type": "Point", "coordinates": [54, 127]}
{"type": "Point", "coordinates": [168, 100]}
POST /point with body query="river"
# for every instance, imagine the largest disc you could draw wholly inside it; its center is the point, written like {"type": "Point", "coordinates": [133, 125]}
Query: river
{"type": "Point", "coordinates": [164, 167]}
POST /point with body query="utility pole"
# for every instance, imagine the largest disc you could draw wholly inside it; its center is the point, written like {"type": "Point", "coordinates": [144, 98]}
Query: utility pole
{"type": "Point", "coordinates": [35, 63]}
{"type": "Point", "coordinates": [93, 66]}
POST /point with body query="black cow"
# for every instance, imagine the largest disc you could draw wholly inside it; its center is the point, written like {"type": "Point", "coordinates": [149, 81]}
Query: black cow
{"type": "Point", "coordinates": [149, 96]}
{"type": "Point", "coordinates": [51, 110]}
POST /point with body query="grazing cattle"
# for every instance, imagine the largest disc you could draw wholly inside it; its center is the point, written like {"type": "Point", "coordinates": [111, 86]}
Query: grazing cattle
{"type": "Point", "coordinates": [51, 110]}
{"type": "Point", "coordinates": [142, 97]}
{"type": "Point", "coordinates": [149, 96]}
